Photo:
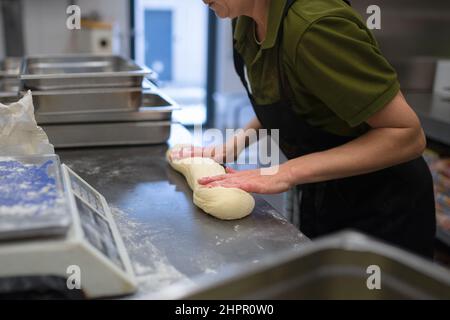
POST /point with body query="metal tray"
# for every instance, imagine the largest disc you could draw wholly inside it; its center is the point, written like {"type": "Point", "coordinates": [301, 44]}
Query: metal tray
{"type": "Point", "coordinates": [80, 71]}
{"type": "Point", "coordinates": [335, 267]}
{"type": "Point", "coordinates": [107, 134]}
{"type": "Point", "coordinates": [142, 114]}
{"type": "Point", "coordinates": [8, 94]}
{"type": "Point", "coordinates": [99, 99]}
{"type": "Point", "coordinates": [9, 79]}
{"type": "Point", "coordinates": [154, 108]}
{"type": "Point", "coordinates": [10, 67]}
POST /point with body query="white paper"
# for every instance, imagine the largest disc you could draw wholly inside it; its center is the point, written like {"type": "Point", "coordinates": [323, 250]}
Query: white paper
{"type": "Point", "coordinates": [19, 133]}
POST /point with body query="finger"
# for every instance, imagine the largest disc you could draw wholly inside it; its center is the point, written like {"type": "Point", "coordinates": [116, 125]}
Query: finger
{"type": "Point", "coordinates": [186, 152]}
{"type": "Point", "coordinates": [209, 152]}
{"type": "Point", "coordinates": [222, 183]}
{"type": "Point", "coordinates": [177, 153]}
{"type": "Point", "coordinates": [192, 151]}
{"type": "Point", "coordinates": [206, 180]}
{"type": "Point", "coordinates": [239, 183]}
{"type": "Point", "coordinates": [230, 170]}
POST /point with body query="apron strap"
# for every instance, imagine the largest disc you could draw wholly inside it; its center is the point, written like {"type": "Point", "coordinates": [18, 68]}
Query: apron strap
{"type": "Point", "coordinates": [239, 63]}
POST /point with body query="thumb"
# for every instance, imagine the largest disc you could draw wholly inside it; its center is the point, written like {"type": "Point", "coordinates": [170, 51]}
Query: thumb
{"type": "Point", "coordinates": [230, 170]}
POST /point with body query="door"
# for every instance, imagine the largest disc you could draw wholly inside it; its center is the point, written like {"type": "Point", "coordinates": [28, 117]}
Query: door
{"type": "Point", "coordinates": [158, 42]}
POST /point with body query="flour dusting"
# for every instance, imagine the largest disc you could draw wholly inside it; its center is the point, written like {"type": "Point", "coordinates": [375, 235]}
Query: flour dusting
{"type": "Point", "coordinates": [150, 265]}
{"type": "Point", "coordinates": [26, 189]}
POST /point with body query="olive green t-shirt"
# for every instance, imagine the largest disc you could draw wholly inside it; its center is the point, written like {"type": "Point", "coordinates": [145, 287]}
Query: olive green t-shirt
{"type": "Point", "coordinates": [336, 72]}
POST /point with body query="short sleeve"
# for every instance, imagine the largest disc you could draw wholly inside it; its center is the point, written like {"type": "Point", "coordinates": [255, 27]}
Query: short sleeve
{"type": "Point", "coordinates": [339, 62]}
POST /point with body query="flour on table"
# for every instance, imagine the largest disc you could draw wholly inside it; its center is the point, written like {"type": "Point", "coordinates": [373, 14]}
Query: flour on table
{"type": "Point", "coordinates": [151, 266]}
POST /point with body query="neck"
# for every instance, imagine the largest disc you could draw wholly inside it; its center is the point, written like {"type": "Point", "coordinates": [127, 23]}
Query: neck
{"type": "Point", "coordinates": [258, 11]}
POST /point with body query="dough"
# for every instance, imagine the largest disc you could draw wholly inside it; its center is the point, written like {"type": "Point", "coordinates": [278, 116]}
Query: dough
{"type": "Point", "coordinates": [222, 203]}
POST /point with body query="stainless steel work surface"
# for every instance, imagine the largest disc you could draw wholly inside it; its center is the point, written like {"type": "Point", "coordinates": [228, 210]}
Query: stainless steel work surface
{"type": "Point", "coordinates": [167, 237]}
{"type": "Point", "coordinates": [81, 71]}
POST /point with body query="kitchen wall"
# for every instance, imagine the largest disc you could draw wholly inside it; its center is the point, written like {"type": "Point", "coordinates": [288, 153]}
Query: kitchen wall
{"type": "Point", "coordinates": [414, 35]}
{"type": "Point", "coordinates": [412, 27]}
{"type": "Point", "coordinates": [45, 24]}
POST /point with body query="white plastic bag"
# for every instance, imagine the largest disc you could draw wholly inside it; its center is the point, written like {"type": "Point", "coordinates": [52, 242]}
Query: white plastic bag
{"type": "Point", "coordinates": [19, 132]}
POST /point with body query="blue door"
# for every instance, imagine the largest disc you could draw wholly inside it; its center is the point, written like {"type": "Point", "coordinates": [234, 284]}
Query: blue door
{"type": "Point", "coordinates": [158, 42]}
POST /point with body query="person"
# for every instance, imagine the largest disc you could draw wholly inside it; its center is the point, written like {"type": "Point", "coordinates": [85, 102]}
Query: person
{"type": "Point", "coordinates": [313, 70]}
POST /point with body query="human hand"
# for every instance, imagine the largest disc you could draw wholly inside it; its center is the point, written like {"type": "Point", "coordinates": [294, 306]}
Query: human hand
{"type": "Point", "coordinates": [251, 180]}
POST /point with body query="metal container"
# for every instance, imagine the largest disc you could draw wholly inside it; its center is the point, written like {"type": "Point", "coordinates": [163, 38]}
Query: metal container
{"type": "Point", "coordinates": [107, 134]}
{"type": "Point", "coordinates": [91, 100]}
{"type": "Point", "coordinates": [154, 107]}
{"type": "Point", "coordinates": [10, 67]}
{"type": "Point", "coordinates": [9, 79]}
{"type": "Point", "coordinates": [337, 267]}
{"type": "Point", "coordinates": [142, 114]}
{"type": "Point", "coordinates": [7, 94]}
{"type": "Point", "coordinates": [81, 71]}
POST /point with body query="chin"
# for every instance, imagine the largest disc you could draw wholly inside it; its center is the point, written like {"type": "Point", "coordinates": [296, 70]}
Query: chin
{"type": "Point", "coordinates": [220, 11]}
{"type": "Point", "coordinates": [221, 15]}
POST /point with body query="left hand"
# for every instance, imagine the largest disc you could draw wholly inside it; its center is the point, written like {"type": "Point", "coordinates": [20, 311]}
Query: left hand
{"type": "Point", "coordinates": [251, 181]}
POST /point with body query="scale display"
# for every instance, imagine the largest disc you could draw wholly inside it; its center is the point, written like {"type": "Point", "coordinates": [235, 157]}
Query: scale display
{"type": "Point", "coordinates": [96, 228]}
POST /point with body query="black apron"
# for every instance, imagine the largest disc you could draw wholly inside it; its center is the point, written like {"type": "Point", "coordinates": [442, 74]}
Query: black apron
{"type": "Point", "coordinates": [395, 204]}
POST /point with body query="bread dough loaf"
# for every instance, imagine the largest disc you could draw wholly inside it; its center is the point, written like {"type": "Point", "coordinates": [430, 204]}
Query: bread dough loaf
{"type": "Point", "coordinates": [222, 203]}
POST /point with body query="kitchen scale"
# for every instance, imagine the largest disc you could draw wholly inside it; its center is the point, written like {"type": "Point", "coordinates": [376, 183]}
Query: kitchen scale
{"type": "Point", "coordinates": [58, 237]}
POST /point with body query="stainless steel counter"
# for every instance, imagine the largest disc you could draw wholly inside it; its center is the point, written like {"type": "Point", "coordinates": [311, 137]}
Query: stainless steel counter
{"type": "Point", "coordinates": [167, 237]}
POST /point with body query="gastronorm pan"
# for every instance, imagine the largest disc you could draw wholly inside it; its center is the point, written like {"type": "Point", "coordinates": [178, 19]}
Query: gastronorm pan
{"type": "Point", "coordinates": [10, 67]}
{"type": "Point", "coordinates": [342, 266]}
{"type": "Point", "coordinates": [97, 99]}
{"type": "Point", "coordinates": [81, 71]}
{"type": "Point", "coordinates": [142, 114]}
{"type": "Point", "coordinates": [9, 79]}
{"type": "Point", "coordinates": [155, 106]}
{"type": "Point", "coordinates": [107, 134]}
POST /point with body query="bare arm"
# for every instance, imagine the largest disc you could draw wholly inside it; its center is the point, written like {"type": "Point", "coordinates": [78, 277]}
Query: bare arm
{"type": "Point", "coordinates": [396, 136]}
{"type": "Point", "coordinates": [229, 150]}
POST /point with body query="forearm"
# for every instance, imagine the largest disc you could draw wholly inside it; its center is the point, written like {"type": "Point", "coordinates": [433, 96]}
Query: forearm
{"type": "Point", "coordinates": [376, 150]}
{"type": "Point", "coordinates": [244, 137]}
{"type": "Point", "coordinates": [253, 124]}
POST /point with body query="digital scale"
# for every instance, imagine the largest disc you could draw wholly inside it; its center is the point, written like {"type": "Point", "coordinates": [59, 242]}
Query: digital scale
{"type": "Point", "coordinates": [58, 237]}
